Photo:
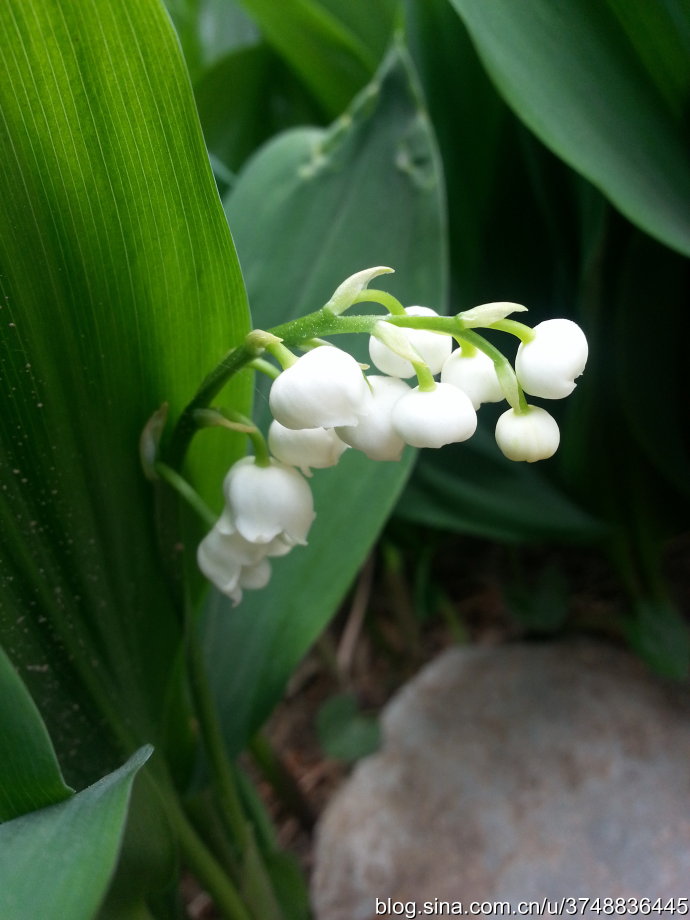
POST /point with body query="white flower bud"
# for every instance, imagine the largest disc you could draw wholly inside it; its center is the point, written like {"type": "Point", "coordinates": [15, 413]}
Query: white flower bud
{"type": "Point", "coordinates": [488, 313]}
{"type": "Point", "coordinates": [345, 294]}
{"type": "Point", "coordinates": [375, 435]}
{"type": "Point", "coordinates": [473, 374]}
{"type": "Point", "coordinates": [531, 435]}
{"type": "Point", "coordinates": [322, 389]}
{"type": "Point", "coordinates": [432, 347]}
{"type": "Point", "coordinates": [265, 502]}
{"type": "Point", "coordinates": [548, 365]}
{"type": "Point", "coordinates": [305, 447]}
{"type": "Point", "coordinates": [432, 418]}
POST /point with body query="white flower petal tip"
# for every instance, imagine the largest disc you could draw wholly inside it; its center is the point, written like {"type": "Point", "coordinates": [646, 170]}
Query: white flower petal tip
{"type": "Point", "coordinates": [271, 501]}
{"type": "Point", "coordinates": [528, 436]}
{"type": "Point", "coordinates": [432, 347]}
{"type": "Point", "coordinates": [322, 389]}
{"type": "Point", "coordinates": [218, 562]}
{"type": "Point", "coordinates": [473, 374]}
{"type": "Point", "coordinates": [257, 576]}
{"type": "Point", "coordinates": [549, 365]}
{"type": "Point", "coordinates": [444, 415]}
{"type": "Point", "coordinates": [375, 435]}
{"type": "Point", "coordinates": [305, 448]}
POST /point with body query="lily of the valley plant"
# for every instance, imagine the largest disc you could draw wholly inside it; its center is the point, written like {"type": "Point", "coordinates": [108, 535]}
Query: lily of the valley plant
{"type": "Point", "coordinates": [324, 402]}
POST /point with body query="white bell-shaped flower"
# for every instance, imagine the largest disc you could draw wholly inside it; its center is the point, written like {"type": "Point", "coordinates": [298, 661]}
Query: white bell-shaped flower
{"type": "Point", "coordinates": [474, 374]}
{"type": "Point", "coordinates": [375, 435]}
{"type": "Point", "coordinates": [433, 348]}
{"type": "Point", "coordinates": [266, 502]}
{"type": "Point", "coordinates": [322, 389]}
{"type": "Point", "coordinates": [432, 418]}
{"type": "Point", "coordinates": [531, 435]}
{"type": "Point", "coordinates": [305, 447]}
{"type": "Point", "coordinates": [549, 364]}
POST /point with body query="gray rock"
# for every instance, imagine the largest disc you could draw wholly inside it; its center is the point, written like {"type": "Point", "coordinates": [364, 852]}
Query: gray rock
{"type": "Point", "coordinates": [516, 773]}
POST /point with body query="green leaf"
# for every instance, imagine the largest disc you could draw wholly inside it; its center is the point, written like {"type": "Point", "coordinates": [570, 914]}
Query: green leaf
{"type": "Point", "coordinates": [209, 29]}
{"type": "Point", "coordinates": [30, 775]}
{"type": "Point", "coordinates": [311, 209]}
{"type": "Point", "coordinates": [120, 288]}
{"type": "Point", "coordinates": [472, 488]}
{"type": "Point", "coordinates": [56, 863]}
{"type": "Point", "coordinates": [245, 98]}
{"type": "Point", "coordinates": [344, 732]}
{"type": "Point", "coordinates": [576, 79]}
{"type": "Point", "coordinates": [331, 60]}
{"type": "Point", "coordinates": [659, 634]}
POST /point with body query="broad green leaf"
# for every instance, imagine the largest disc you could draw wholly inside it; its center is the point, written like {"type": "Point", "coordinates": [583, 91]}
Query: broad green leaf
{"type": "Point", "coordinates": [471, 488]}
{"type": "Point", "coordinates": [245, 98]}
{"type": "Point", "coordinates": [310, 209]}
{"type": "Point", "coordinates": [55, 863]}
{"type": "Point", "coordinates": [331, 59]}
{"type": "Point", "coordinates": [469, 119]}
{"type": "Point", "coordinates": [209, 29]}
{"type": "Point", "coordinates": [30, 775]}
{"type": "Point", "coordinates": [120, 288]}
{"type": "Point", "coordinates": [660, 34]}
{"type": "Point", "coordinates": [371, 22]}
{"type": "Point", "coordinates": [572, 74]}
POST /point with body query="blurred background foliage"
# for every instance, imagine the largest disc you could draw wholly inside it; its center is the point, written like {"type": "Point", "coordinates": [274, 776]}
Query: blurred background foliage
{"type": "Point", "coordinates": [534, 152]}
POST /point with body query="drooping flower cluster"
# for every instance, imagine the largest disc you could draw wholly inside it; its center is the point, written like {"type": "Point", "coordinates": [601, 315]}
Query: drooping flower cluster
{"type": "Point", "coordinates": [268, 510]}
{"type": "Point", "coordinates": [323, 402]}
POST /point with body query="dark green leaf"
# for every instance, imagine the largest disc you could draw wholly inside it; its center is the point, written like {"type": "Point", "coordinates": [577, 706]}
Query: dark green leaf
{"type": "Point", "coordinates": [120, 289]}
{"type": "Point", "coordinates": [331, 60]}
{"type": "Point", "coordinates": [573, 76]}
{"type": "Point", "coordinates": [30, 775]}
{"type": "Point", "coordinates": [246, 97]}
{"type": "Point", "coordinates": [471, 488]}
{"type": "Point", "coordinates": [55, 863]}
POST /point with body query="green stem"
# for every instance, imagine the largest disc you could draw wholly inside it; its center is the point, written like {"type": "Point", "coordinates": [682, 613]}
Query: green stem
{"type": "Point", "coordinates": [231, 810]}
{"type": "Point", "coordinates": [425, 378]}
{"type": "Point", "coordinates": [371, 295]}
{"type": "Point", "coordinates": [523, 332]}
{"type": "Point", "coordinates": [187, 492]}
{"type": "Point", "coordinates": [186, 426]}
{"type": "Point", "coordinates": [323, 322]}
{"type": "Point", "coordinates": [283, 782]}
{"type": "Point", "coordinates": [204, 866]}
{"type": "Point", "coordinates": [504, 369]}
{"type": "Point", "coordinates": [265, 367]}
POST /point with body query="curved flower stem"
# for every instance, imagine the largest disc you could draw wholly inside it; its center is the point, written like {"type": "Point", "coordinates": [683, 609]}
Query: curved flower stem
{"type": "Point", "coordinates": [504, 369]}
{"type": "Point", "coordinates": [425, 379]}
{"type": "Point", "coordinates": [523, 332]}
{"type": "Point", "coordinates": [323, 322]}
{"type": "Point", "coordinates": [185, 490]}
{"type": "Point", "coordinates": [186, 425]}
{"type": "Point", "coordinates": [371, 295]}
